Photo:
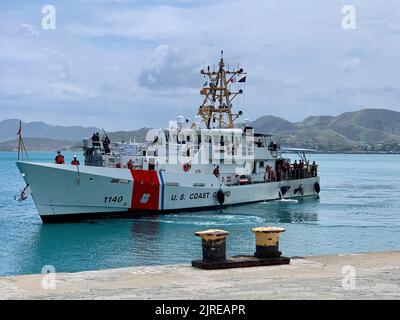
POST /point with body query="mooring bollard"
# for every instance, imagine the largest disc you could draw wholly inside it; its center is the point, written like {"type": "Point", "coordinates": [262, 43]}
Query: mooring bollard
{"type": "Point", "coordinates": [214, 250]}
{"type": "Point", "coordinates": [213, 244]}
{"type": "Point", "coordinates": [267, 242]}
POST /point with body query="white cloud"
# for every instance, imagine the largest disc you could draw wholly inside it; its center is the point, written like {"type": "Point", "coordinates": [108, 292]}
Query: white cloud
{"type": "Point", "coordinates": [166, 70]}
{"type": "Point", "coordinates": [137, 57]}
{"type": "Point", "coordinates": [64, 90]}
{"type": "Point", "coordinates": [28, 30]}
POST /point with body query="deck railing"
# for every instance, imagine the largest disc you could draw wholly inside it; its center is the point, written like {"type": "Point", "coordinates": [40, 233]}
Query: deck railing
{"type": "Point", "coordinates": [294, 174]}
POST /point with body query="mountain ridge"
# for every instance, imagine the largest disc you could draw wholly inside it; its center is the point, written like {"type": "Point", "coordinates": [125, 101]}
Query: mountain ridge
{"type": "Point", "coordinates": [345, 132]}
{"type": "Point", "coordinates": [367, 129]}
{"type": "Point", "coordinates": [40, 129]}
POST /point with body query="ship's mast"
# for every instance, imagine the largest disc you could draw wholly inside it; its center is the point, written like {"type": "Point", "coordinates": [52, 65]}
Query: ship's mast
{"type": "Point", "coordinates": [216, 109]}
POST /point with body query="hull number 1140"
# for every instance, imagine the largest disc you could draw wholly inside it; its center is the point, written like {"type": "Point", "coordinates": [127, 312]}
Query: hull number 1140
{"type": "Point", "coordinates": [113, 199]}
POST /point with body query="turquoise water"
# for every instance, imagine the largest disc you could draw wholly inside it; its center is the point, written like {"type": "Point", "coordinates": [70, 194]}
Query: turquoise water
{"type": "Point", "coordinates": [358, 211]}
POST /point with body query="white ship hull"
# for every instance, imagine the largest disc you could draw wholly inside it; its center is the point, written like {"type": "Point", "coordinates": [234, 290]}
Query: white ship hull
{"type": "Point", "coordinates": [66, 192]}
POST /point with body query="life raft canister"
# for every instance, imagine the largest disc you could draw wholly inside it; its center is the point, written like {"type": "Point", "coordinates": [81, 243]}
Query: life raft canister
{"type": "Point", "coordinates": [317, 187]}
{"type": "Point", "coordinates": [220, 196]}
{"type": "Point", "coordinates": [186, 167]}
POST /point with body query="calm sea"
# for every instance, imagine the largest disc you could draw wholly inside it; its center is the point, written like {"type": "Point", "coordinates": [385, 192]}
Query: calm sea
{"type": "Point", "coordinates": [358, 211]}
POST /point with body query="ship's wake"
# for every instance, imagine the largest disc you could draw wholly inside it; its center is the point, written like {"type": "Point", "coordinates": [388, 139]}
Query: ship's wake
{"type": "Point", "coordinates": [282, 199]}
{"type": "Point", "coordinates": [288, 200]}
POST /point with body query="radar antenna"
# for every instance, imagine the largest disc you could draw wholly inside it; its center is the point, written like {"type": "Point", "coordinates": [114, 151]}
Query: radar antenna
{"type": "Point", "coordinates": [216, 109]}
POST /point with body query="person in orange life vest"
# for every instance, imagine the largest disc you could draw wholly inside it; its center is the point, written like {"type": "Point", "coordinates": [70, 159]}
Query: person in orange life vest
{"type": "Point", "coordinates": [59, 158]}
{"type": "Point", "coordinates": [75, 161]}
{"type": "Point", "coordinates": [130, 164]}
{"type": "Point", "coordinates": [216, 171]}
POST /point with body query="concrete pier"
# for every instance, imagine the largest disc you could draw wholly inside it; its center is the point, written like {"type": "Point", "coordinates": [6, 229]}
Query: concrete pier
{"type": "Point", "coordinates": [347, 276]}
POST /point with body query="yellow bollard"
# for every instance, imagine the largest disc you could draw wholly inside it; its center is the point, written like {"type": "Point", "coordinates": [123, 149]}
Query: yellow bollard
{"type": "Point", "coordinates": [267, 242]}
{"type": "Point", "coordinates": [213, 244]}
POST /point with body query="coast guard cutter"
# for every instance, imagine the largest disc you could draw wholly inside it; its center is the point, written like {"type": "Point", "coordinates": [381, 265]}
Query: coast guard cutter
{"type": "Point", "coordinates": [213, 160]}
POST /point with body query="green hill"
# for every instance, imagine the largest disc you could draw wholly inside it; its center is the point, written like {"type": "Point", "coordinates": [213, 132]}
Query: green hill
{"type": "Point", "coordinates": [134, 135]}
{"type": "Point", "coordinates": [364, 130]}
{"type": "Point", "coordinates": [274, 124]}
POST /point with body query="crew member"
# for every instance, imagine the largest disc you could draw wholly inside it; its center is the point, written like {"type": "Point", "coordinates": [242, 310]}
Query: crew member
{"type": "Point", "coordinates": [272, 146]}
{"type": "Point", "coordinates": [75, 161]}
{"type": "Point", "coordinates": [93, 138]}
{"type": "Point", "coordinates": [278, 172]}
{"type": "Point", "coordinates": [216, 171]}
{"type": "Point", "coordinates": [271, 174]}
{"type": "Point", "coordinates": [281, 174]}
{"type": "Point", "coordinates": [314, 169]}
{"type": "Point", "coordinates": [59, 158]}
{"type": "Point", "coordinates": [287, 170]}
{"type": "Point", "coordinates": [106, 145]}
{"type": "Point", "coordinates": [308, 169]}
{"type": "Point", "coordinates": [267, 173]}
{"type": "Point", "coordinates": [295, 169]}
{"type": "Point", "coordinates": [96, 139]}
{"type": "Point", "coordinates": [301, 169]}
{"type": "Point", "coordinates": [130, 164]}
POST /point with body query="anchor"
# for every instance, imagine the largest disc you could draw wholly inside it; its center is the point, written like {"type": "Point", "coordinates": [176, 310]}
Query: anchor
{"type": "Point", "coordinates": [25, 193]}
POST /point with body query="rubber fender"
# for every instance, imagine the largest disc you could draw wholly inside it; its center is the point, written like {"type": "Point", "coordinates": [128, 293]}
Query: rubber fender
{"type": "Point", "coordinates": [317, 187]}
{"type": "Point", "coordinates": [220, 196]}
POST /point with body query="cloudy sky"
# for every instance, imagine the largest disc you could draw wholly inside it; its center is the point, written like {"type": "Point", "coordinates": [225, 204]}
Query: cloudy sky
{"type": "Point", "coordinates": [123, 64]}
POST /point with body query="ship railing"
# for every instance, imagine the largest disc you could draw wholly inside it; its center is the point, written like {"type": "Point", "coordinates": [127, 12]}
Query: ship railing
{"type": "Point", "coordinates": [296, 174]}
{"type": "Point", "coordinates": [228, 179]}
{"type": "Point", "coordinates": [233, 179]}
{"type": "Point", "coordinates": [256, 178]}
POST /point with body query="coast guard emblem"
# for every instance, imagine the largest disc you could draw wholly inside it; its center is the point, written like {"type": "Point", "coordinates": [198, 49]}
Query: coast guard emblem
{"type": "Point", "coordinates": [145, 198]}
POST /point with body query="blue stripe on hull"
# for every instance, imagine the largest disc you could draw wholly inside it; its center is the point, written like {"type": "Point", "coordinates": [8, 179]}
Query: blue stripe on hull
{"type": "Point", "coordinates": [162, 190]}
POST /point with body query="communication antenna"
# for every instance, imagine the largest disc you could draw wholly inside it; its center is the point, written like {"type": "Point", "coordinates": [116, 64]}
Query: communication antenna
{"type": "Point", "coordinates": [216, 109]}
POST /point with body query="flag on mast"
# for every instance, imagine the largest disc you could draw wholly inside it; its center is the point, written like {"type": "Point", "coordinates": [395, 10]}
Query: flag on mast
{"type": "Point", "coordinates": [242, 79]}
